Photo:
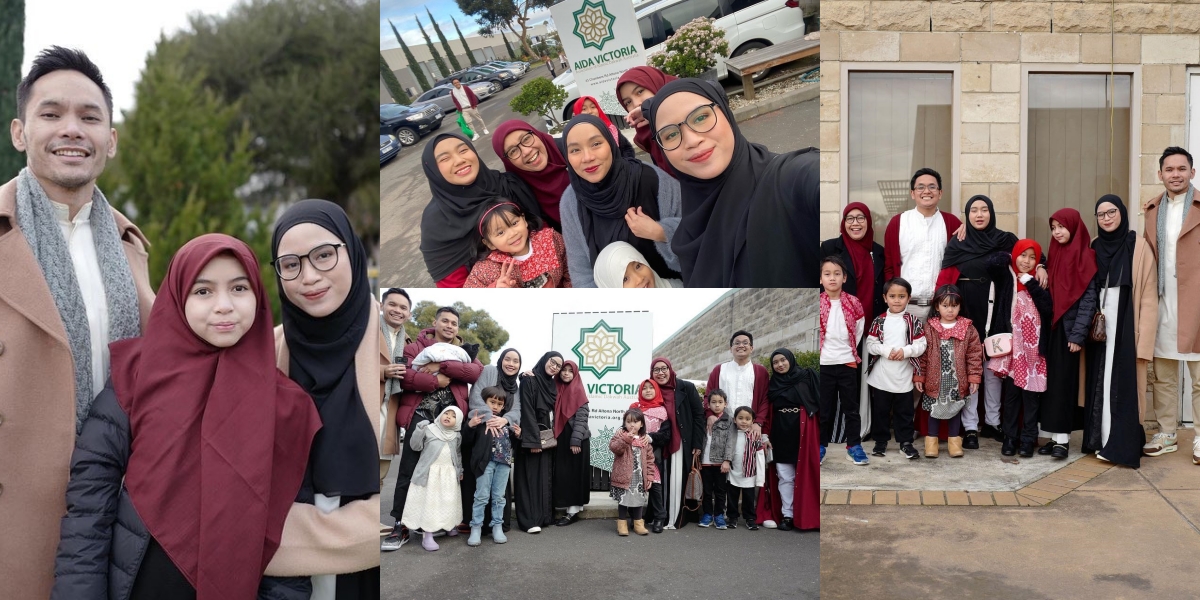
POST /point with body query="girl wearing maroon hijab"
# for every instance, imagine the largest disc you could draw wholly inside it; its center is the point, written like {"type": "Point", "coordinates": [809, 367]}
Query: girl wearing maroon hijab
{"type": "Point", "coordinates": [534, 157]}
{"type": "Point", "coordinates": [1071, 266]}
{"type": "Point", "coordinates": [634, 87]}
{"type": "Point", "coordinates": [195, 451]}
{"type": "Point", "coordinates": [572, 465]}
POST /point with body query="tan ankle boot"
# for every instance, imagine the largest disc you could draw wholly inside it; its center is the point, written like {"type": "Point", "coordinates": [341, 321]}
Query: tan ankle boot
{"type": "Point", "coordinates": [954, 446]}
{"type": "Point", "coordinates": [639, 527]}
{"type": "Point", "coordinates": [622, 527]}
{"type": "Point", "coordinates": [931, 446]}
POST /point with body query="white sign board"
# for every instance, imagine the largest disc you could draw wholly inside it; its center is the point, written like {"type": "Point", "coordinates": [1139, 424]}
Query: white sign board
{"type": "Point", "coordinates": [602, 41]}
{"type": "Point", "coordinates": [613, 351]}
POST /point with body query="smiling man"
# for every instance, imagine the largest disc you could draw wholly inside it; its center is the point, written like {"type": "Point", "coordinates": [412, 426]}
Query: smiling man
{"type": "Point", "coordinates": [1171, 231]}
{"type": "Point", "coordinates": [916, 239]}
{"type": "Point", "coordinates": [397, 309]}
{"type": "Point", "coordinates": [74, 280]}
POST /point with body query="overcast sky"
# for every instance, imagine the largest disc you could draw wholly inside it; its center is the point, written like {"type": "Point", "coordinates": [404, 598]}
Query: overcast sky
{"type": "Point", "coordinates": [117, 36]}
{"type": "Point", "coordinates": [402, 14]}
{"type": "Point", "coordinates": [527, 314]}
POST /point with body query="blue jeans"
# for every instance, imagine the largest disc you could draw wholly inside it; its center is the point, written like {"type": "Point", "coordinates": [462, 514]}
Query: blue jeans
{"type": "Point", "coordinates": [491, 483]}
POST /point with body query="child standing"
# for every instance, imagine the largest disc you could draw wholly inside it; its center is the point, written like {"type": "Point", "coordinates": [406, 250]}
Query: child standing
{"type": "Point", "coordinates": [748, 466]}
{"type": "Point", "coordinates": [715, 460]}
{"type": "Point", "coordinates": [950, 369]}
{"type": "Point", "coordinates": [1025, 366]}
{"type": "Point", "coordinates": [633, 472]}
{"type": "Point", "coordinates": [841, 328]}
{"type": "Point", "coordinates": [522, 252]}
{"type": "Point", "coordinates": [899, 338]}
{"type": "Point", "coordinates": [491, 461]}
{"type": "Point", "coordinates": [433, 501]}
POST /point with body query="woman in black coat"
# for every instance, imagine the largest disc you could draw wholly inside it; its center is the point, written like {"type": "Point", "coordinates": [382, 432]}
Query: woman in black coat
{"type": "Point", "coordinates": [687, 419]}
{"type": "Point", "coordinates": [858, 249]}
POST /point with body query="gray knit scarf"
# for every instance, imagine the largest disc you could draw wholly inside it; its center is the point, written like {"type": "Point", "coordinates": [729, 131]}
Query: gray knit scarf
{"type": "Point", "coordinates": [1162, 228]}
{"type": "Point", "coordinates": [36, 218]}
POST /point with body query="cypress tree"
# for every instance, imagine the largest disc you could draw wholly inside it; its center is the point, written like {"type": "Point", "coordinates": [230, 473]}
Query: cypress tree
{"type": "Point", "coordinates": [437, 58]}
{"type": "Point", "coordinates": [413, 65]}
{"type": "Point", "coordinates": [393, 84]}
{"type": "Point", "coordinates": [445, 44]}
{"type": "Point", "coordinates": [470, 56]}
{"type": "Point", "coordinates": [511, 55]}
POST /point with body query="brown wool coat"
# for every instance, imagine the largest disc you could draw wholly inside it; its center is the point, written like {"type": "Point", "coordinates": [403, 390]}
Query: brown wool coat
{"type": "Point", "coordinates": [37, 403]}
{"type": "Point", "coordinates": [1187, 259]}
{"type": "Point", "coordinates": [347, 539]}
{"type": "Point", "coordinates": [389, 444]}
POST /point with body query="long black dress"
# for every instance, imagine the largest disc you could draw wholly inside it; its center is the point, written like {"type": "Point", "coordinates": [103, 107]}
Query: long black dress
{"type": "Point", "coordinates": [1125, 436]}
{"type": "Point", "coordinates": [533, 471]}
{"type": "Point", "coordinates": [1059, 410]}
{"type": "Point", "coordinates": [572, 481]}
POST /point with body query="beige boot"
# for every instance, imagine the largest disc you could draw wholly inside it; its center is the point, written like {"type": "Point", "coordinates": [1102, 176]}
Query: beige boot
{"type": "Point", "coordinates": [622, 527]}
{"type": "Point", "coordinates": [931, 446]}
{"type": "Point", "coordinates": [954, 446]}
{"type": "Point", "coordinates": [639, 527]}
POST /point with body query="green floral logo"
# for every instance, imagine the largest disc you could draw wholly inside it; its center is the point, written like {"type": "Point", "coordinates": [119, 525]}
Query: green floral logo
{"type": "Point", "coordinates": [593, 24]}
{"type": "Point", "coordinates": [600, 349]}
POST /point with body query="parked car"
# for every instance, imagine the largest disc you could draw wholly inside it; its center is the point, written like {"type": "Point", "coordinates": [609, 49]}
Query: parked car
{"type": "Point", "coordinates": [749, 25]}
{"type": "Point", "coordinates": [504, 78]}
{"type": "Point", "coordinates": [490, 68]}
{"type": "Point", "coordinates": [409, 123]}
{"type": "Point", "coordinates": [522, 66]}
{"type": "Point", "coordinates": [389, 148]}
{"type": "Point", "coordinates": [440, 95]}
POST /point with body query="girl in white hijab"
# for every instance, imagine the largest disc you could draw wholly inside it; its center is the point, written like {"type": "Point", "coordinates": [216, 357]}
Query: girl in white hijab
{"type": "Point", "coordinates": [619, 264]}
{"type": "Point", "coordinates": [434, 502]}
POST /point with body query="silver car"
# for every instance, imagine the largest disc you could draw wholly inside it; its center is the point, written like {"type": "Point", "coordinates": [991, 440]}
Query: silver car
{"type": "Point", "coordinates": [440, 95]}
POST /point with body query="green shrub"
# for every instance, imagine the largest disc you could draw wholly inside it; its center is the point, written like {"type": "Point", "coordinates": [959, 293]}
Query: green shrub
{"type": "Point", "coordinates": [540, 96]}
{"type": "Point", "coordinates": [693, 49]}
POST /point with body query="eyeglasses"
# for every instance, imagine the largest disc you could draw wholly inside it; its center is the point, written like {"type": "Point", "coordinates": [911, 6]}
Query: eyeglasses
{"type": "Point", "coordinates": [515, 151]}
{"type": "Point", "coordinates": [700, 120]}
{"type": "Point", "coordinates": [322, 258]}
{"type": "Point", "coordinates": [554, 365]}
{"type": "Point", "coordinates": [922, 188]}
{"type": "Point", "coordinates": [660, 370]}
{"type": "Point", "coordinates": [1108, 214]}
{"type": "Point", "coordinates": [741, 344]}
{"type": "Point", "coordinates": [857, 219]}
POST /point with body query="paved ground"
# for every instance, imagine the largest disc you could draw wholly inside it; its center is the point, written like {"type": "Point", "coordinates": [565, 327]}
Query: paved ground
{"type": "Point", "coordinates": [403, 191]}
{"type": "Point", "coordinates": [1124, 534]}
{"type": "Point", "coordinates": [589, 560]}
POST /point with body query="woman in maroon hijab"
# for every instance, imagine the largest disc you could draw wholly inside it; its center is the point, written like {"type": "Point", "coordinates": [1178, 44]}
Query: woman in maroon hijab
{"type": "Point", "coordinates": [634, 87]}
{"type": "Point", "coordinates": [534, 157]}
{"type": "Point", "coordinates": [572, 464]}
{"type": "Point", "coordinates": [862, 255]}
{"type": "Point", "coordinates": [193, 454]}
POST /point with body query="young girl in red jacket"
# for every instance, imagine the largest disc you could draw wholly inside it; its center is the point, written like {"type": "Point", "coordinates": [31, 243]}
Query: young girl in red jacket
{"type": "Point", "coordinates": [521, 253]}
{"type": "Point", "coordinates": [951, 369]}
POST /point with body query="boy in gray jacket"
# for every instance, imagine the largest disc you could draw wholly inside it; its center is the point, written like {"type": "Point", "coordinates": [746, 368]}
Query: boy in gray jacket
{"type": "Point", "coordinates": [714, 461]}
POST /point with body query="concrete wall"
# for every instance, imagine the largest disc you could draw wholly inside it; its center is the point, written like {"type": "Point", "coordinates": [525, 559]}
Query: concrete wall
{"type": "Point", "coordinates": [776, 317]}
{"type": "Point", "coordinates": [987, 43]}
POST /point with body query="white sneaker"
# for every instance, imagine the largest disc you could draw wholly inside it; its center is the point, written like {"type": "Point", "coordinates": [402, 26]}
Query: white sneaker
{"type": "Point", "coordinates": [486, 132]}
{"type": "Point", "coordinates": [769, 524]}
{"type": "Point", "coordinates": [475, 138]}
{"type": "Point", "coordinates": [534, 530]}
{"type": "Point", "coordinates": [1159, 444]}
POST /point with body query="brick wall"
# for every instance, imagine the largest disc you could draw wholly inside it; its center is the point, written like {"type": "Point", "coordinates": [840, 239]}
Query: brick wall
{"type": "Point", "coordinates": [776, 317]}
{"type": "Point", "coordinates": [989, 41]}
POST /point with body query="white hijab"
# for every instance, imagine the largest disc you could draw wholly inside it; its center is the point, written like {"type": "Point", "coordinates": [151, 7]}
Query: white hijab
{"type": "Point", "coordinates": [609, 270]}
{"type": "Point", "coordinates": [437, 430]}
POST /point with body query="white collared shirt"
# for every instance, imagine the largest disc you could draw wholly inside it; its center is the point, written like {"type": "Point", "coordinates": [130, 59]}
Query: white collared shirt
{"type": "Point", "coordinates": [738, 381]}
{"type": "Point", "coordinates": [460, 94]}
{"type": "Point", "coordinates": [922, 244]}
{"type": "Point", "coordinates": [82, 245]}
{"type": "Point", "coordinates": [1166, 343]}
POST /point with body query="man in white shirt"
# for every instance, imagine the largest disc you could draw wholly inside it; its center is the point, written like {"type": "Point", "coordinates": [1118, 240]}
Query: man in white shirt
{"type": "Point", "coordinates": [468, 104]}
{"type": "Point", "coordinates": [743, 380]}
{"type": "Point", "coordinates": [1171, 230]}
{"type": "Point", "coordinates": [916, 239]}
{"type": "Point", "coordinates": [75, 279]}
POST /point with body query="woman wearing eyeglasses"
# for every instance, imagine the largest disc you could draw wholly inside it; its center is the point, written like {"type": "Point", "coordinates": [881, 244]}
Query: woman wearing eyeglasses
{"type": "Point", "coordinates": [614, 199]}
{"type": "Point", "coordinates": [533, 465]}
{"type": "Point", "coordinates": [533, 156]}
{"type": "Point", "coordinates": [863, 257]}
{"type": "Point", "coordinates": [750, 216]}
{"type": "Point", "coordinates": [1126, 282]}
{"type": "Point", "coordinates": [463, 188]}
{"type": "Point", "coordinates": [328, 343]}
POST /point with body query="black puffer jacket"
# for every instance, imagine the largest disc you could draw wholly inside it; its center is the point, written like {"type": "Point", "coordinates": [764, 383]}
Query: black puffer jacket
{"type": "Point", "coordinates": [103, 539]}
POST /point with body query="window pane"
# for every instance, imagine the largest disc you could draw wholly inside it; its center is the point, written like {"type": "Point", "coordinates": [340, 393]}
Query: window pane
{"type": "Point", "coordinates": [737, 5]}
{"type": "Point", "coordinates": [1078, 146]}
{"type": "Point", "coordinates": [897, 123]}
{"type": "Point", "coordinates": [646, 25]}
{"type": "Point", "coordinates": [678, 15]}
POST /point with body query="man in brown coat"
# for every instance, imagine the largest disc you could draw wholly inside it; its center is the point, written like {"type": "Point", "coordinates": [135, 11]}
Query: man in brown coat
{"type": "Point", "coordinates": [74, 279]}
{"type": "Point", "coordinates": [1171, 230]}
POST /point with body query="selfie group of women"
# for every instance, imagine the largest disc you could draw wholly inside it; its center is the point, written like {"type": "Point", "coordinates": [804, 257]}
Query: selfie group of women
{"type": "Point", "coordinates": [1068, 334]}
{"type": "Point", "coordinates": [712, 209]}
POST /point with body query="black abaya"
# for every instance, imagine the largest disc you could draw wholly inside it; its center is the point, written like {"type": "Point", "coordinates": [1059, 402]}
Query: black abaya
{"type": "Point", "coordinates": [533, 472]}
{"type": "Point", "coordinates": [572, 481]}
{"type": "Point", "coordinates": [1126, 436]}
{"type": "Point", "coordinates": [1059, 411]}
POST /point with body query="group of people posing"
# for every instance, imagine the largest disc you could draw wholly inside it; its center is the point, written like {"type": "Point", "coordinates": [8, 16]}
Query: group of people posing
{"type": "Point", "coordinates": [985, 327]}
{"type": "Point", "coordinates": [175, 444]}
{"type": "Point", "coordinates": [713, 210]}
{"type": "Point", "coordinates": [460, 428]}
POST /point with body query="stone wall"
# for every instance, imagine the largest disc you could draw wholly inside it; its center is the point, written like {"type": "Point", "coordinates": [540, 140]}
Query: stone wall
{"type": "Point", "coordinates": [989, 41]}
{"type": "Point", "coordinates": [776, 317]}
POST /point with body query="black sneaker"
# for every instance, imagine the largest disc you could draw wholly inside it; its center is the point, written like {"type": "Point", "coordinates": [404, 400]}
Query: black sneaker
{"type": "Point", "coordinates": [394, 540]}
{"type": "Point", "coordinates": [1046, 450]}
{"type": "Point", "coordinates": [1009, 448]}
{"type": "Point", "coordinates": [732, 524]}
{"type": "Point", "coordinates": [1059, 451]}
{"type": "Point", "coordinates": [879, 449]}
{"type": "Point", "coordinates": [786, 524]}
{"type": "Point", "coordinates": [909, 451]}
{"type": "Point", "coordinates": [1026, 450]}
{"type": "Point", "coordinates": [991, 432]}
{"type": "Point", "coordinates": [752, 526]}
{"type": "Point", "coordinates": [971, 440]}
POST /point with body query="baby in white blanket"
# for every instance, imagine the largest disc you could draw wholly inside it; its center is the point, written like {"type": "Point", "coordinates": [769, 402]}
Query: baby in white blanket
{"type": "Point", "coordinates": [440, 352]}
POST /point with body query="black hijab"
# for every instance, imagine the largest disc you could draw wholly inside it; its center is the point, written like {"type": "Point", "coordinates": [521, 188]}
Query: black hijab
{"type": "Point", "coordinates": [1114, 250]}
{"type": "Point", "coordinates": [630, 183]}
{"type": "Point", "coordinates": [321, 359]}
{"type": "Point", "coordinates": [979, 242]}
{"type": "Point", "coordinates": [795, 388]}
{"type": "Point", "coordinates": [508, 383]}
{"type": "Point", "coordinates": [538, 393]}
{"type": "Point", "coordinates": [448, 224]}
{"type": "Point", "coordinates": [757, 223]}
